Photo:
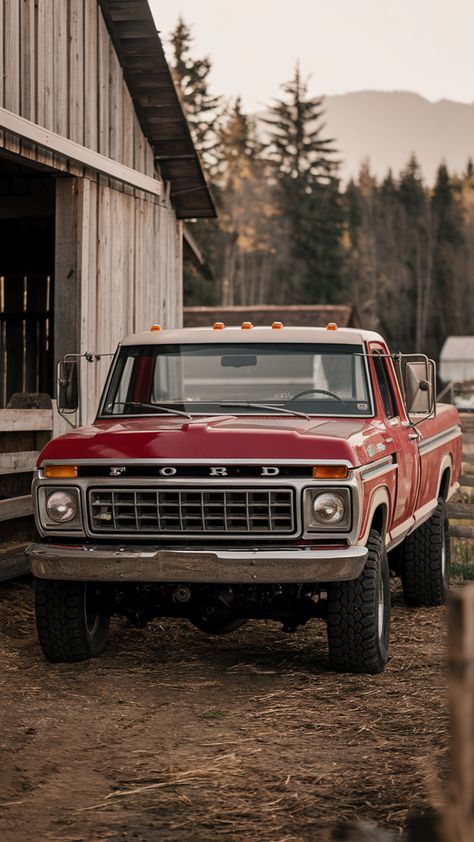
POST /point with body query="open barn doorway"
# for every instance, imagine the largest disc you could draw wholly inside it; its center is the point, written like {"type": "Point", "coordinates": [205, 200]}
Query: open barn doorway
{"type": "Point", "coordinates": [27, 254]}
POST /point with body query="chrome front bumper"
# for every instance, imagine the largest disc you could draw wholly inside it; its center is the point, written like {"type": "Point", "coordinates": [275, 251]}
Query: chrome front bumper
{"type": "Point", "coordinates": [93, 562]}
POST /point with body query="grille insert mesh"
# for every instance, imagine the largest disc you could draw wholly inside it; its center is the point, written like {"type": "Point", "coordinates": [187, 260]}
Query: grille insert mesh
{"type": "Point", "coordinates": [197, 511]}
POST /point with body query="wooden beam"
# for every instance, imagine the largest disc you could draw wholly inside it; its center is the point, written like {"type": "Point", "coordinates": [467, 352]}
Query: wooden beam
{"type": "Point", "coordinates": [466, 480]}
{"type": "Point", "coordinates": [458, 818]}
{"type": "Point", "coordinates": [462, 511]}
{"type": "Point", "coordinates": [76, 152]}
{"type": "Point", "coordinates": [462, 532]}
{"type": "Point", "coordinates": [20, 420]}
{"type": "Point", "coordinates": [17, 463]}
{"type": "Point", "coordinates": [16, 507]}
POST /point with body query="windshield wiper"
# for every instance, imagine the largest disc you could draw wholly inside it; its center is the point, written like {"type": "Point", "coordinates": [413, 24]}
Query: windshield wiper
{"type": "Point", "coordinates": [268, 406]}
{"type": "Point", "coordinates": [151, 406]}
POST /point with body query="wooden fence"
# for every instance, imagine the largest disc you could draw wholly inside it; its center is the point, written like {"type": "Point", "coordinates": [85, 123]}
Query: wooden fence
{"type": "Point", "coordinates": [24, 434]}
{"type": "Point", "coordinates": [465, 510]}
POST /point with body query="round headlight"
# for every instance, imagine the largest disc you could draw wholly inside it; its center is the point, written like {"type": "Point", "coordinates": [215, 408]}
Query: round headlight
{"type": "Point", "coordinates": [61, 506]}
{"type": "Point", "coordinates": [329, 508]}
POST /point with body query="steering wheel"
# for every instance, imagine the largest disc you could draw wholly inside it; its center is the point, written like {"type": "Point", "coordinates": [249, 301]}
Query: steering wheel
{"type": "Point", "coordinates": [316, 391]}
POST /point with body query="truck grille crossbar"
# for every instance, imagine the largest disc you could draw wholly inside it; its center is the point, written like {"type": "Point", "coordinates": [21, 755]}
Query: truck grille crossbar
{"type": "Point", "coordinates": [198, 511]}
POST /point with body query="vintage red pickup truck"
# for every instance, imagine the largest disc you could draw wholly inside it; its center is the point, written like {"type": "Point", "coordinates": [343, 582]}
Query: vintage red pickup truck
{"type": "Point", "coordinates": [247, 472]}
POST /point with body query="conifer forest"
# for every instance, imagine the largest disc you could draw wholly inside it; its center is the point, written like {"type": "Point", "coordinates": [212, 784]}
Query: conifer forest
{"type": "Point", "coordinates": [290, 231]}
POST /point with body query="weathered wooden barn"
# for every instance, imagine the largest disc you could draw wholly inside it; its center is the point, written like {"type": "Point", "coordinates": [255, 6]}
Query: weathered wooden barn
{"type": "Point", "coordinates": [97, 173]}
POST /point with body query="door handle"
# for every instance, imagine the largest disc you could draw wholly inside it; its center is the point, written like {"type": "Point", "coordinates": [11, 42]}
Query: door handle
{"type": "Point", "coordinates": [414, 436]}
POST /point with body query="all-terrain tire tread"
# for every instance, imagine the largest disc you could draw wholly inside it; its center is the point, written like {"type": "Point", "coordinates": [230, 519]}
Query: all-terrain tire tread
{"type": "Point", "coordinates": [60, 622]}
{"type": "Point", "coordinates": [421, 574]}
{"type": "Point", "coordinates": [352, 634]}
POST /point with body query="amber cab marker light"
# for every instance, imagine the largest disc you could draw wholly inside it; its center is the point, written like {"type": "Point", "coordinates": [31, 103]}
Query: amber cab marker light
{"type": "Point", "coordinates": [331, 326]}
{"type": "Point", "coordinates": [277, 325]}
{"type": "Point", "coordinates": [330, 472]}
{"type": "Point", "coordinates": [155, 327]}
{"type": "Point", "coordinates": [60, 471]}
{"type": "Point", "coordinates": [218, 326]}
{"type": "Point", "coordinates": [246, 326]}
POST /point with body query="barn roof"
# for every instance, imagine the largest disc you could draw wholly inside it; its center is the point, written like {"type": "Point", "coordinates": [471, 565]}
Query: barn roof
{"type": "Point", "coordinates": [457, 349]}
{"type": "Point", "coordinates": [140, 52]}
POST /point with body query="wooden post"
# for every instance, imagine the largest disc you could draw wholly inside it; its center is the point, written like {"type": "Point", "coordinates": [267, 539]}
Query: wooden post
{"type": "Point", "coordinates": [458, 819]}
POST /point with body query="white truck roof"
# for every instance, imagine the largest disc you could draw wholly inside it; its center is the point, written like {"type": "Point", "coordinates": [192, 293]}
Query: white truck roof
{"type": "Point", "coordinates": [205, 335]}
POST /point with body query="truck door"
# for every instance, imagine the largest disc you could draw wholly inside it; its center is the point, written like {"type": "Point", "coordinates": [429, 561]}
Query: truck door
{"type": "Point", "coordinates": [399, 436]}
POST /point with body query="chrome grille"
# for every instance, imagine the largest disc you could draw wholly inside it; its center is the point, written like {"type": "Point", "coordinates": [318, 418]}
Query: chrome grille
{"type": "Point", "coordinates": [175, 511]}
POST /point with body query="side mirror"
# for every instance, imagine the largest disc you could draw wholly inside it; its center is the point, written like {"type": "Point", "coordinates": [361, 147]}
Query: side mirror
{"type": "Point", "coordinates": [418, 379]}
{"type": "Point", "coordinates": [67, 387]}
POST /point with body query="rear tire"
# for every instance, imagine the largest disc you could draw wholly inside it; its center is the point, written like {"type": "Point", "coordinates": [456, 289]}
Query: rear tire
{"type": "Point", "coordinates": [425, 561]}
{"type": "Point", "coordinates": [71, 625]}
{"type": "Point", "coordinates": [359, 615]}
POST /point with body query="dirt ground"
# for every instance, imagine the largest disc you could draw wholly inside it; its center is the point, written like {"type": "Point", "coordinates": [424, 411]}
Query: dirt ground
{"type": "Point", "coordinates": [173, 735]}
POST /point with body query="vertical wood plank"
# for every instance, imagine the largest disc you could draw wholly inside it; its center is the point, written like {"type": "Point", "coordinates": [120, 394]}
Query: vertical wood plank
{"type": "Point", "coordinates": [2, 57]}
{"type": "Point", "coordinates": [115, 106]}
{"type": "Point", "coordinates": [104, 304]}
{"type": "Point", "coordinates": [138, 145]}
{"type": "Point", "coordinates": [103, 85]}
{"type": "Point", "coordinates": [42, 67]}
{"type": "Point", "coordinates": [459, 815]}
{"type": "Point", "coordinates": [76, 70]}
{"type": "Point", "coordinates": [90, 74]}
{"type": "Point", "coordinates": [12, 56]}
{"type": "Point", "coordinates": [127, 126]}
{"type": "Point", "coordinates": [67, 293]}
{"type": "Point", "coordinates": [28, 60]}
{"type": "Point", "coordinates": [60, 68]}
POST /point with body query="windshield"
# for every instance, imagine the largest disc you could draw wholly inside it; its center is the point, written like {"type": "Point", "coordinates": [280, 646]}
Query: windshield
{"type": "Point", "coordinates": [238, 378]}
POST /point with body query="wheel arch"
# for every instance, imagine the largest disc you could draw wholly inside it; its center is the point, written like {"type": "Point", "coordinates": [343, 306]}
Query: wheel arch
{"type": "Point", "coordinates": [445, 474]}
{"type": "Point", "coordinates": [378, 513]}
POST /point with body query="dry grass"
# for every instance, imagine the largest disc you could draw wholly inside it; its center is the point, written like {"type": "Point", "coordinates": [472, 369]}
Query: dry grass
{"type": "Point", "coordinates": [176, 736]}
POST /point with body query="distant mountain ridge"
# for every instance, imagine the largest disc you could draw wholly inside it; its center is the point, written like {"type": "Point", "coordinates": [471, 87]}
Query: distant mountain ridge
{"type": "Point", "coordinates": [387, 127]}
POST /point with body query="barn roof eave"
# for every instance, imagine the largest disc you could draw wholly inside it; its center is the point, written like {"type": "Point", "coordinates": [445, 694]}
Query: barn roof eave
{"type": "Point", "coordinates": [148, 76]}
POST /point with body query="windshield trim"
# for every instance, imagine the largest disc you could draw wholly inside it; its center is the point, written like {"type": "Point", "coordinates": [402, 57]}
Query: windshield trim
{"type": "Point", "coordinates": [214, 409]}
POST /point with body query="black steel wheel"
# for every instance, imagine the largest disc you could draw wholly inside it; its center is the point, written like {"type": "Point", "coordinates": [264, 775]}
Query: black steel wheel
{"type": "Point", "coordinates": [70, 620]}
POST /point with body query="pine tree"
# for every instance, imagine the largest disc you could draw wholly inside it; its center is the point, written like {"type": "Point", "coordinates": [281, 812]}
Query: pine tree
{"type": "Point", "coordinates": [202, 108]}
{"type": "Point", "coordinates": [306, 195]}
{"type": "Point", "coordinates": [449, 259]}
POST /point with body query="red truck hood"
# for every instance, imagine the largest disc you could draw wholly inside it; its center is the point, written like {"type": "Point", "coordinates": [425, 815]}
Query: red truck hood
{"type": "Point", "coordinates": [226, 437]}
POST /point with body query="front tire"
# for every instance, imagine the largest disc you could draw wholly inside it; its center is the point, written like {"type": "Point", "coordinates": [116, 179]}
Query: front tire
{"type": "Point", "coordinates": [359, 615]}
{"type": "Point", "coordinates": [425, 561]}
{"type": "Point", "coordinates": [70, 622]}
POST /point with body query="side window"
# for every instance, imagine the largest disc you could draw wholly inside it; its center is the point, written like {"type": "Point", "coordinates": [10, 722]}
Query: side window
{"type": "Point", "coordinates": [385, 386]}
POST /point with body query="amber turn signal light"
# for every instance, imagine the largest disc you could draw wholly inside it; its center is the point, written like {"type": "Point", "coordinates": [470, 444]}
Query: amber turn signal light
{"type": "Point", "coordinates": [60, 471]}
{"type": "Point", "coordinates": [155, 327]}
{"type": "Point", "coordinates": [330, 472]}
{"type": "Point", "coordinates": [331, 326]}
{"type": "Point", "coordinates": [246, 326]}
{"type": "Point", "coordinates": [277, 325]}
{"type": "Point", "coordinates": [218, 326]}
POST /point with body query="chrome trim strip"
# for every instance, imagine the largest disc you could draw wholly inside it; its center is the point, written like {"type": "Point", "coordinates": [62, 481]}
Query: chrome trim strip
{"type": "Point", "coordinates": [230, 565]}
{"type": "Point", "coordinates": [378, 467]}
{"type": "Point", "coordinates": [193, 461]}
{"type": "Point", "coordinates": [428, 444]}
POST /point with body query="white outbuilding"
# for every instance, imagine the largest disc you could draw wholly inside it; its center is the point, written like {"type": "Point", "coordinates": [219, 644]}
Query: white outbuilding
{"type": "Point", "coordinates": [456, 361]}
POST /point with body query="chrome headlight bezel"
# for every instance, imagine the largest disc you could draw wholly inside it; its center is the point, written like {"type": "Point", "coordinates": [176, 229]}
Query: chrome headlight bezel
{"type": "Point", "coordinates": [48, 522]}
{"type": "Point", "coordinates": [312, 524]}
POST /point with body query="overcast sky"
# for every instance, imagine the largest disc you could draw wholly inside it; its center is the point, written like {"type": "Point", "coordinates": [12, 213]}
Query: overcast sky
{"type": "Point", "coordinates": [426, 46]}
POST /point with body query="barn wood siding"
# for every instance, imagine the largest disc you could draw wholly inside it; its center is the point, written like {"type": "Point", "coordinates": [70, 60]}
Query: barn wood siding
{"type": "Point", "coordinates": [59, 69]}
{"type": "Point", "coordinates": [128, 259]}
